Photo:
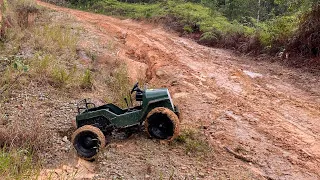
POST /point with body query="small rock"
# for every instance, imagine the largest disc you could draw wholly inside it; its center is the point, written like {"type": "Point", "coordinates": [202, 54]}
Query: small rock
{"type": "Point", "coordinates": [174, 83]}
{"type": "Point", "coordinates": [64, 167]}
{"type": "Point", "coordinates": [160, 73]}
{"type": "Point", "coordinates": [65, 139]}
{"type": "Point", "coordinates": [253, 74]}
{"type": "Point", "coordinates": [59, 142]}
{"type": "Point", "coordinates": [118, 146]}
{"type": "Point", "coordinates": [66, 149]}
{"type": "Point", "coordinates": [4, 120]}
{"type": "Point", "coordinates": [147, 176]}
{"type": "Point", "coordinates": [67, 169]}
{"type": "Point", "coordinates": [201, 174]}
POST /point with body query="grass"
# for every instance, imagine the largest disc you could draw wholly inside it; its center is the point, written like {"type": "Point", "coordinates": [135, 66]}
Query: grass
{"type": "Point", "coordinates": [86, 81]}
{"type": "Point", "coordinates": [10, 75]}
{"type": "Point", "coordinates": [120, 85]}
{"type": "Point", "coordinates": [41, 64]}
{"type": "Point", "coordinates": [54, 53]}
{"type": "Point", "coordinates": [18, 164]}
{"type": "Point", "coordinates": [20, 143]}
{"type": "Point", "coordinates": [116, 8]}
{"type": "Point", "coordinates": [193, 143]}
{"type": "Point", "coordinates": [55, 39]}
{"type": "Point", "coordinates": [61, 76]}
{"type": "Point", "coordinates": [45, 53]}
{"type": "Point", "coordinates": [51, 46]}
{"type": "Point", "coordinates": [111, 45]}
{"type": "Point", "coordinates": [42, 55]}
{"type": "Point", "coordinates": [30, 135]}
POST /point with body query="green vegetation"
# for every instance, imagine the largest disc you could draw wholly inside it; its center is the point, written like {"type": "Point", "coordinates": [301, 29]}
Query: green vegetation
{"type": "Point", "coordinates": [61, 38]}
{"type": "Point", "coordinates": [17, 164]}
{"type": "Point", "coordinates": [86, 81]}
{"type": "Point", "coordinates": [245, 25]}
{"type": "Point", "coordinates": [119, 84]}
{"type": "Point", "coordinates": [38, 51]}
{"type": "Point", "coordinates": [306, 40]}
{"type": "Point", "coordinates": [193, 142]}
{"type": "Point", "coordinates": [42, 52]}
{"type": "Point", "coordinates": [53, 48]}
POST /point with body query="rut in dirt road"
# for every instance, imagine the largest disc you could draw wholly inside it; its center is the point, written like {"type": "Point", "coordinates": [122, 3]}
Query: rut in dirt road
{"type": "Point", "coordinates": [262, 111]}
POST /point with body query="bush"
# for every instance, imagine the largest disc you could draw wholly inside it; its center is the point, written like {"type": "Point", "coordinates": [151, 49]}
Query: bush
{"type": "Point", "coordinates": [274, 34]}
{"type": "Point", "coordinates": [62, 76]}
{"type": "Point", "coordinates": [115, 8]}
{"type": "Point", "coordinates": [306, 40]}
{"type": "Point", "coordinates": [211, 38]}
{"type": "Point", "coordinates": [86, 81]}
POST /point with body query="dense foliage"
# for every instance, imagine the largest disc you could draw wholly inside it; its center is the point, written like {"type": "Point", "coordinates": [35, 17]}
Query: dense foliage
{"type": "Point", "coordinates": [307, 39]}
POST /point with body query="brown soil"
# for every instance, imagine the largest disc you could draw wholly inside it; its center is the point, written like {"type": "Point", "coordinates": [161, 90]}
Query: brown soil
{"type": "Point", "coordinates": [261, 118]}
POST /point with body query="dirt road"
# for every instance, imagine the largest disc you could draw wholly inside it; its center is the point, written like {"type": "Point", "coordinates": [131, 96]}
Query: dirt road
{"type": "Point", "coordinates": [266, 115]}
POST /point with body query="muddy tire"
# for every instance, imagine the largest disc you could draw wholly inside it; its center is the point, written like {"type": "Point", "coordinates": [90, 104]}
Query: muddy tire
{"type": "Point", "coordinates": [88, 141]}
{"type": "Point", "coordinates": [180, 115]}
{"type": "Point", "coordinates": [162, 123]}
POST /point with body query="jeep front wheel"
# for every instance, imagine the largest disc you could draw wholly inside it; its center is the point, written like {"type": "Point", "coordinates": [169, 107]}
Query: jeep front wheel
{"type": "Point", "coordinates": [88, 141]}
{"type": "Point", "coordinates": [162, 123]}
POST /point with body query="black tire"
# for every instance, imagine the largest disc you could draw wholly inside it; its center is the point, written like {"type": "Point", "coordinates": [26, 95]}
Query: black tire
{"type": "Point", "coordinates": [162, 123]}
{"type": "Point", "coordinates": [88, 141]}
{"type": "Point", "coordinates": [179, 114]}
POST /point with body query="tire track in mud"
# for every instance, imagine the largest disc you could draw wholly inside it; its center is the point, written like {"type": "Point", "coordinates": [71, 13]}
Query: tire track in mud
{"type": "Point", "coordinates": [267, 118]}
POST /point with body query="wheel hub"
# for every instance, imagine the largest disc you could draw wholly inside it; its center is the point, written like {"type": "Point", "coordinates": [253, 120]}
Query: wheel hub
{"type": "Point", "coordinates": [160, 126]}
{"type": "Point", "coordinates": [88, 142]}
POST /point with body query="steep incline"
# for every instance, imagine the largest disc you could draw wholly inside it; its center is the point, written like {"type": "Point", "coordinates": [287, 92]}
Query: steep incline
{"type": "Point", "coordinates": [263, 111]}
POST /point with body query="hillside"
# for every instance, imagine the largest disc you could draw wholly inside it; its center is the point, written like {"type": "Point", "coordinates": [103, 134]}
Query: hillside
{"type": "Point", "coordinates": [280, 29]}
{"type": "Point", "coordinates": [242, 118]}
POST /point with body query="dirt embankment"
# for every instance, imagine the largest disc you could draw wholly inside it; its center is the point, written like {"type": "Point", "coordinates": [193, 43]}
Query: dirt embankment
{"type": "Point", "coordinates": [261, 118]}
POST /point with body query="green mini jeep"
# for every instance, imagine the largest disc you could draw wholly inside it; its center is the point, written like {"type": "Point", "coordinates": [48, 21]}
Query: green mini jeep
{"type": "Point", "coordinates": [156, 111]}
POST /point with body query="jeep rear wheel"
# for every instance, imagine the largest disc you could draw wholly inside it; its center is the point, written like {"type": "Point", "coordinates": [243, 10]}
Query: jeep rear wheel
{"type": "Point", "coordinates": [88, 141]}
{"type": "Point", "coordinates": [162, 123]}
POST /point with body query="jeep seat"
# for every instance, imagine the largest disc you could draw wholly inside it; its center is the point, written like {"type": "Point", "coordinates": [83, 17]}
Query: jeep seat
{"type": "Point", "coordinates": [139, 96]}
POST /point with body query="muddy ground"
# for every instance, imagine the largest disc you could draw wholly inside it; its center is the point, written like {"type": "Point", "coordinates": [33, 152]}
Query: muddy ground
{"type": "Point", "coordinates": [261, 118]}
